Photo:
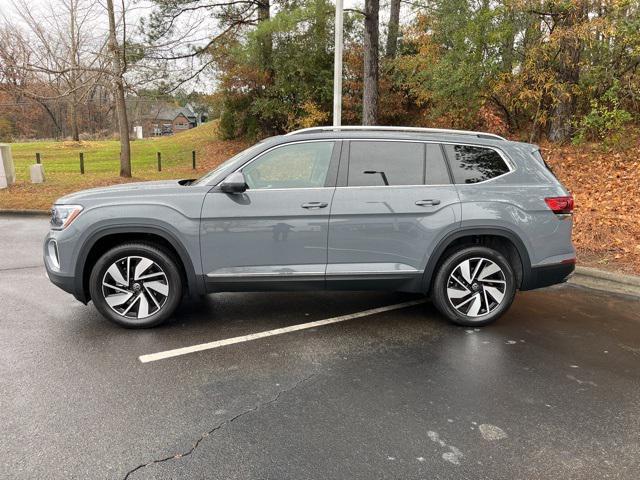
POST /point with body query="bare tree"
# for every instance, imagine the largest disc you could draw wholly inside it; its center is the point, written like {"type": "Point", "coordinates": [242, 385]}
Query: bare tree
{"type": "Point", "coordinates": [68, 55]}
{"type": "Point", "coordinates": [371, 53]}
{"type": "Point", "coordinates": [118, 65]}
{"type": "Point", "coordinates": [61, 51]}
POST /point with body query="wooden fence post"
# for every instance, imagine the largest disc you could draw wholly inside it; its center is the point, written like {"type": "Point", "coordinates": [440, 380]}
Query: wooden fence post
{"type": "Point", "coordinates": [37, 158]}
{"type": "Point", "coordinates": [193, 159]}
{"type": "Point", "coordinates": [82, 163]}
{"type": "Point", "coordinates": [159, 162]}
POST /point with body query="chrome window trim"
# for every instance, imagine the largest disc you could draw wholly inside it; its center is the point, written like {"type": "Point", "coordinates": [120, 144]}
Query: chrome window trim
{"type": "Point", "coordinates": [287, 189]}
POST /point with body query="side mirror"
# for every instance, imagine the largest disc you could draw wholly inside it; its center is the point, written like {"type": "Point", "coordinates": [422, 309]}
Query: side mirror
{"type": "Point", "coordinates": [234, 183]}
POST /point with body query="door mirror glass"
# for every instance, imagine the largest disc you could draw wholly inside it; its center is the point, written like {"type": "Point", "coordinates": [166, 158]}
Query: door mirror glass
{"type": "Point", "coordinates": [234, 183]}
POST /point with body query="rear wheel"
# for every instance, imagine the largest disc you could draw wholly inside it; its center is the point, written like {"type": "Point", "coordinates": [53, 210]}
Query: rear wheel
{"type": "Point", "coordinates": [474, 286]}
{"type": "Point", "coordinates": [136, 285]}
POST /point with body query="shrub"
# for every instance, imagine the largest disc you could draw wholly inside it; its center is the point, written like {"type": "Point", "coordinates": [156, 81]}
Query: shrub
{"type": "Point", "coordinates": [605, 121]}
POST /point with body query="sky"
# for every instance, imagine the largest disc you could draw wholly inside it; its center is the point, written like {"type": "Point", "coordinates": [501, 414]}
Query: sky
{"type": "Point", "coordinates": [138, 9]}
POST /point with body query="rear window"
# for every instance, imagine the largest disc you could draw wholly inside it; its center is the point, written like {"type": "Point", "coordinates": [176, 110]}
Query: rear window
{"type": "Point", "coordinates": [470, 164]}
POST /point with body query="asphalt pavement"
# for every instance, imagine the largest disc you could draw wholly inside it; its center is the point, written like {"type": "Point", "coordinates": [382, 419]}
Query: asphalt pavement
{"type": "Point", "coordinates": [552, 390]}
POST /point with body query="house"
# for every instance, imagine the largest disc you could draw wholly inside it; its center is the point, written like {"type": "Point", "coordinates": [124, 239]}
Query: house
{"type": "Point", "coordinates": [165, 119]}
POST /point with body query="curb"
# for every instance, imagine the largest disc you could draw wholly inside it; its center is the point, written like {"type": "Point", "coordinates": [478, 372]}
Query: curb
{"type": "Point", "coordinates": [610, 276]}
{"type": "Point", "coordinates": [606, 281]}
{"type": "Point", "coordinates": [25, 212]}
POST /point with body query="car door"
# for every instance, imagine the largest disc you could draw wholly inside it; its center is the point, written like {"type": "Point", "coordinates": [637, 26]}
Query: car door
{"type": "Point", "coordinates": [393, 200]}
{"type": "Point", "coordinates": [275, 233]}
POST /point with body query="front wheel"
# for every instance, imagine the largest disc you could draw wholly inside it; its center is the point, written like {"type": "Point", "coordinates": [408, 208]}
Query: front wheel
{"type": "Point", "coordinates": [136, 285]}
{"type": "Point", "coordinates": [474, 286]}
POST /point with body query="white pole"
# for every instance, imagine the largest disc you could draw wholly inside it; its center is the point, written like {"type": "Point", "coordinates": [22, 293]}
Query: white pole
{"type": "Point", "coordinates": [337, 68]}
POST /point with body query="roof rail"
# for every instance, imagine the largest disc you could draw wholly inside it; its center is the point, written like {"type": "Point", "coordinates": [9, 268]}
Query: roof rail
{"type": "Point", "coordinates": [396, 129]}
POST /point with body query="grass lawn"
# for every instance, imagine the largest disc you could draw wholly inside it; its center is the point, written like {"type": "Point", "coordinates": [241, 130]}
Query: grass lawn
{"type": "Point", "coordinates": [102, 165]}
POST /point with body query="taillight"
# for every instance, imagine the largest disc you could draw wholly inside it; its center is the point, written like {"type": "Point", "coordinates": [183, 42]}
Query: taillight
{"type": "Point", "coordinates": [560, 205]}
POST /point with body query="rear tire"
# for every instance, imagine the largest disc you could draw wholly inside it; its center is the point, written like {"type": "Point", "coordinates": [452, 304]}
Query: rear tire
{"type": "Point", "coordinates": [474, 286]}
{"type": "Point", "coordinates": [136, 285]}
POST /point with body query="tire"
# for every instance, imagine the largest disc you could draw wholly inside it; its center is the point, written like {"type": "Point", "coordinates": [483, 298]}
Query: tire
{"type": "Point", "coordinates": [474, 286]}
{"type": "Point", "coordinates": [136, 285]}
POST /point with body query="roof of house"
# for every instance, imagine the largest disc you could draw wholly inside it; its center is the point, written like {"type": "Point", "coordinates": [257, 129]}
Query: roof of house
{"type": "Point", "coordinates": [167, 112]}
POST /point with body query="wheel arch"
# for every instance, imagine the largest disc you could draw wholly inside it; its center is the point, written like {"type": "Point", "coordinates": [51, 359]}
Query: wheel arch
{"type": "Point", "coordinates": [102, 240]}
{"type": "Point", "coordinates": [516, 251]}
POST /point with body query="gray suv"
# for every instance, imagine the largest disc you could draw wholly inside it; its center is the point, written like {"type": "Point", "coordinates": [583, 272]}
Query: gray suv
{"type": "Point", "coordinates": [465, 217]}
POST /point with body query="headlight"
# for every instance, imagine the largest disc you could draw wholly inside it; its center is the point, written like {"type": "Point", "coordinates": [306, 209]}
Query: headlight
{"type": "Point", "coordinates": [63, 215]}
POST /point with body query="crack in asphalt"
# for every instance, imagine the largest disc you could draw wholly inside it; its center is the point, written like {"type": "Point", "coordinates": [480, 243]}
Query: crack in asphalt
{"type": "Point", "coordinates": [197, 443]}
{"type": "Point", "coordinates": [20, 268]}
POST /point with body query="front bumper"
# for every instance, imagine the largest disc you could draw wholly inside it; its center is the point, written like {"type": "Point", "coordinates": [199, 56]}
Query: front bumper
{"type": "Point", "coordinates": [59, 273]}
{"type": "Point", "coordinates": [66, 283]}
{"type": "Point", "coordinates": [547, 275]}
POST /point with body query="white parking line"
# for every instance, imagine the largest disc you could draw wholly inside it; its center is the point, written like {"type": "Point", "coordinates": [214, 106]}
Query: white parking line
{"type": "Point", "coordinates": [152, 357]}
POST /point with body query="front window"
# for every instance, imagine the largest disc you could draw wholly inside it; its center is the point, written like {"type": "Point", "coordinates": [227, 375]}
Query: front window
{"type": "Point", "coordinates": [298, 165]}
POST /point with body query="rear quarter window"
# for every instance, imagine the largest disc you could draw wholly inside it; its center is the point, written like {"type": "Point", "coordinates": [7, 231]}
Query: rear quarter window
{"type": "Point", "coordinates": [471, 164]}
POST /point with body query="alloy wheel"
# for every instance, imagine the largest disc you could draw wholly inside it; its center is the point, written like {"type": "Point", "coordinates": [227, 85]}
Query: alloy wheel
{"type": "Point", "coordinates": [476, 287]}
{"type": "Point", "coordinates": [135, 287]}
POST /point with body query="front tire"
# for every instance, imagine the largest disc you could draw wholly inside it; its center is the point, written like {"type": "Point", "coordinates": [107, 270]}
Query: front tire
{"type": "Point", "coordinates": [474, 286]}
{"type": "Point", "coordinates": [136, 285]}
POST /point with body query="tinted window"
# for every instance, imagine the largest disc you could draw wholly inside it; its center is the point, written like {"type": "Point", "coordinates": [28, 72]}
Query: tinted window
{"type": "Point", "coordinates": [300, 165]}
{"type": "Point", "coordinates": [474, 164]}
{"type": "Point", "coordinates": [437, 173]}
{"type": "Point", "coordinates": [385, 163]}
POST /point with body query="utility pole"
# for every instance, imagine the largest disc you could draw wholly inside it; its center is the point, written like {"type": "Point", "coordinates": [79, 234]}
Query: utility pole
{"type": "Point", "coordinates": [337, 67]}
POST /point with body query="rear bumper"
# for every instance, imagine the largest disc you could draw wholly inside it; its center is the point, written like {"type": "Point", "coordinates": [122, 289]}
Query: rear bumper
{"type": "Point", "coordinates": [547, 275]}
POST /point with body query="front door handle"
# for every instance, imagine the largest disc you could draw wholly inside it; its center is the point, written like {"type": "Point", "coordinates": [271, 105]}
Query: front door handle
{"type": "Point", "coordinates": [311, 205]}
{"type": "Point", "coordinates": [427, 203]}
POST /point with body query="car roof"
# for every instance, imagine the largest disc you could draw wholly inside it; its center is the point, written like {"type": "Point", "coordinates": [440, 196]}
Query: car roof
{"type": "Point", "coordinates": [443, 136]}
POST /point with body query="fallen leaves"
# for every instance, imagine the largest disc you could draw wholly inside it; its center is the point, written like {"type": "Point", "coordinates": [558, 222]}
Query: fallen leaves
{"type": "Point", "coordinates": [606, 188]}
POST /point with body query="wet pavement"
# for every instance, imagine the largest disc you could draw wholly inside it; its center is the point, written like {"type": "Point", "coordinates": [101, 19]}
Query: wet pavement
{"type": "Point", "coordinates": [552, 390]}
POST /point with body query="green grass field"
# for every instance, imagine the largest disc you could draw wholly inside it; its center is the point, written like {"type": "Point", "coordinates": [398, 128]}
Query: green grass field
{"type": "Point", "coordinates": [102, 164]}
{"type": "Point", "coordinates": [103, 156]}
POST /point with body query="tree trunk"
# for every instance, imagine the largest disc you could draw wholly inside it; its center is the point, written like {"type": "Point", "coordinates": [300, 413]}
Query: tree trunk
{"type": "Point", "coordinates": [121, 107]}
{"type": "Point", "coordinates": [266, 40]}
{"type": "Point", "coordinates": [75, 131]}
{"type": "Point", "coordinates": [371, 48]}
{"type": "Point", "coordinates": [394, 25]}
{"type": "Point", "coordinates": [73, 54]}
{"type": "Point", "coordinates": [568, 75]}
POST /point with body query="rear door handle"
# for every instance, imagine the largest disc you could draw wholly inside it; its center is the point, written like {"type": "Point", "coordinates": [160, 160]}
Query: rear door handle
{"type": "Point", "coordinates": [427, 203]}
{"type": "Point", "coordinates": [311, 205]}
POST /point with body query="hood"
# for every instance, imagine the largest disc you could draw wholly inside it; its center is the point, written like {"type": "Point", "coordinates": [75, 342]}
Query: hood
{"type": "Point", "coordinates": [135, 189]}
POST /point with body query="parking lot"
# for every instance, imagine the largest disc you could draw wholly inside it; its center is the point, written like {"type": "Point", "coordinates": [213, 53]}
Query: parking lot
{"type": "Point", "coordinates": [549, 391]}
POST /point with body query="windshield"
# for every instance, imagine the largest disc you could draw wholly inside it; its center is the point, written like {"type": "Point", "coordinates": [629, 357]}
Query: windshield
{"type": "Point", "coordinates": [243, 154]}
